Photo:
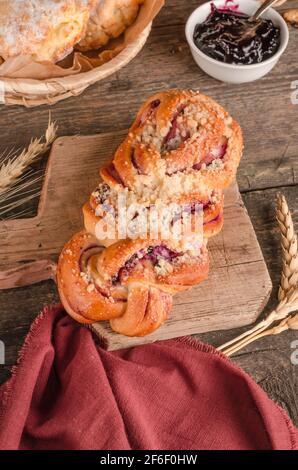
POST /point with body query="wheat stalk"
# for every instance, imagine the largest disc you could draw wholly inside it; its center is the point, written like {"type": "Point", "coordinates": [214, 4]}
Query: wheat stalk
{"type": "Point", "coordinates": [288, 323]}
{"type": "Point", "coordinates": [288, 291]}
{"type": "Point", "coordinates": [24, 184]}
{"type": "Point", "coordinates": [284, 309]}
{"type": "Point", "coordinates": [289, 275]}
{"type": "Point", "coordinates": [14, 166]}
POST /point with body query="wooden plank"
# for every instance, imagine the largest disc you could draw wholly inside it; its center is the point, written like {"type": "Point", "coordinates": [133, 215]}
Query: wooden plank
{"type": "Point", "coordinates": [179, 9]}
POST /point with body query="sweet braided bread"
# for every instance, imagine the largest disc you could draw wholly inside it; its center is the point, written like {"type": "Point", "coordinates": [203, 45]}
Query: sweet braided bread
{"type": "Point", "coordinates": [179, 138]}
{"type": "Point", "coordinates": [103, 202]}
{"type": "Point", "coordinates": [183, 149]}
{"type": "Point", "coordinates": [130, 283]}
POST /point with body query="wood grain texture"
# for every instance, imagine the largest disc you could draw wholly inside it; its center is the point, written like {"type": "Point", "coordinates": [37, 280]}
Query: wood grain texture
{"type": "Point", "coordinates": [269, 120]}
{"type": "Point", "coordinates": [235, 293]}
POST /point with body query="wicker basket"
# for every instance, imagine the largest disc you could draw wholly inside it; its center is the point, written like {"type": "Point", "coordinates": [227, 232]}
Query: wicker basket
{"type": "Point", "coordinates": [29, 93]}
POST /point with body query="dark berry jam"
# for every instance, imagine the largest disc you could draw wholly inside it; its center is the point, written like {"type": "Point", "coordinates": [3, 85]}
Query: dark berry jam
{"type": "Point", "coordinates": [153, 253]}
{"type": "Point", "coordinates": [224, 37]}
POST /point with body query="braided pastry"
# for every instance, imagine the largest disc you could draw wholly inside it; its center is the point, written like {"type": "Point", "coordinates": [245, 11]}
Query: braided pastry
{"type": "Point", "coordinates": [103, 207]}
{"type": "Point", "coordinates": [130, 283]}
{"type": "Point", "coordinates": [183, 149]}
{"type": "Point", "coordinates": [180, 140]}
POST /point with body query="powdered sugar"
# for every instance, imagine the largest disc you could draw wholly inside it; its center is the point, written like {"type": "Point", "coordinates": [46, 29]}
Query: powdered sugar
{"type": "Point", "coordinates": [45, 29]}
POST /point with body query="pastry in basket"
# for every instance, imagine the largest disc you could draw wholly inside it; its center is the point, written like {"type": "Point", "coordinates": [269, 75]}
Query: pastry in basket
{"type": "Point", "coordinates": [108, 19]}
{"type": "Point", "coordinates": [47, 30]}
{"type": "Point", "coordinates": [180, 139]}
{"type": "Point", "coordinates": [291, 17]}
{"type": "Point", "coordinates": [183, 149]}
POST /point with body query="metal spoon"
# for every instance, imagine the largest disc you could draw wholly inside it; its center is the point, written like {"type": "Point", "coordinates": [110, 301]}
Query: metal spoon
{"type": "Point", "coordinates": [262, 9]}
{"type": "Point", "coordinates": [254, 21]}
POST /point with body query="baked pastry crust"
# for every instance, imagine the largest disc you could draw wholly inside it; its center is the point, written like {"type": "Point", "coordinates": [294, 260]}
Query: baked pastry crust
{"type": "Point", "coordinates": [108, 19]}
{"type": "Point", "coordinates": [103, 206]}
{"type": "Point", "coordinates": [168, 157]}
{"type": "Point", "coordinates": [181, 140]}
{"type": "Point", "coordinates": [291, 17]}
{"type": "Point", "coordinates": [121, 282]}
{"type": "Point", "coordinates": [47, 30]}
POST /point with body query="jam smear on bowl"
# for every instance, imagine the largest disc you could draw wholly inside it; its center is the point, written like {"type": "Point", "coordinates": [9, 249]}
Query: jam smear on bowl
{"type": "Point", "coordinates": [227, 36]}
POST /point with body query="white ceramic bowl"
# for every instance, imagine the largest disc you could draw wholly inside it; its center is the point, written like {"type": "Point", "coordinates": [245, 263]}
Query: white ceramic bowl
{"type": "Point", "coordinates": [235, 73]}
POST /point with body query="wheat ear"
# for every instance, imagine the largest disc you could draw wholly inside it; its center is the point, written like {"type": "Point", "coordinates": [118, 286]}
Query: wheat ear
{"type": "Point", "coordinates": [289, 245]}
{"type": "Point", "coordinates": [288, 291]}
{"type": "Point", "coordinates": [14, 166]}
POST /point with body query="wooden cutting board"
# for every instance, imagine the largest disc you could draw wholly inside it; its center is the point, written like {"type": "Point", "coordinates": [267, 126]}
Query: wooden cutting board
{"type": "Point", "coordinates": [235, 293]}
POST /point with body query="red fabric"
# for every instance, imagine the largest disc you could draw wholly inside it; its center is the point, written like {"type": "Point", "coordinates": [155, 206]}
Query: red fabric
{"type": "Point", "coordinates": [69, 393]}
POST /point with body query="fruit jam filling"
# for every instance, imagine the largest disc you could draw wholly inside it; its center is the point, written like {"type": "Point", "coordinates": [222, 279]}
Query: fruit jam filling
{"type": "Point", "coordinates": [228, 36]}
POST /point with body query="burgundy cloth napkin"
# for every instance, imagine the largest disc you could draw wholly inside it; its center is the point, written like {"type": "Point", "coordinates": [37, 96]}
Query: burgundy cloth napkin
{"type": "Point", "coordinates": [69, 393]}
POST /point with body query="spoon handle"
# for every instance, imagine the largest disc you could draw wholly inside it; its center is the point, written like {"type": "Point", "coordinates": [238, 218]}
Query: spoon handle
{"type": "Point", "coordinates": [264, 7]}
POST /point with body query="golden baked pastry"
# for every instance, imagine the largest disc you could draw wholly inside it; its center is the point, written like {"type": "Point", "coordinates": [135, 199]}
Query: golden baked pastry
{"type": "Point", "coordinates": [130, 279]}
{"type": "Point", "coordinates": [291, 17]}
{"type": "Point", "coordinates": [103, 203]}
{"type": "Point", "coordinates": [130, 282]}
{"type": "Point", "coordinates": [182, 139]}
{"type": "Point", "coordinates": [108, 20]}
{"type": "Point", "coordinates": [43, 29]}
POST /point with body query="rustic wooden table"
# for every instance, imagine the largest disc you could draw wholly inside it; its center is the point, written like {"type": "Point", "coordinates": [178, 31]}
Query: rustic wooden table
{"type": "Point", "coordinates": [268, 117]}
